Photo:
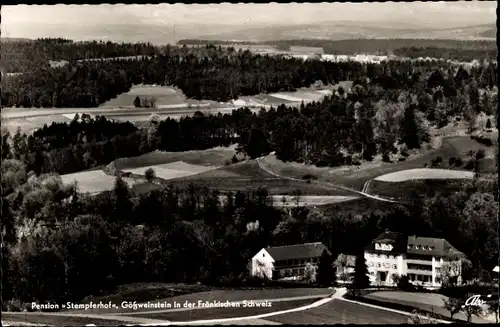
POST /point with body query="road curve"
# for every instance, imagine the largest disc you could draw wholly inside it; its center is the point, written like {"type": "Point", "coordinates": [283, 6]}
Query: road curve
{"type": "Point", "coordinates": [261, 166]}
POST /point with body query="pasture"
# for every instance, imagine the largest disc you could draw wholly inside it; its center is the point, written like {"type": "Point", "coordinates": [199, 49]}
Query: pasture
{"type": "Point", "coordinates": [94, 181]}
{"type": "Point", "coordinates": [424, 173]}
{"type": "Point", "coordinates": [33, 319]}
{"type": "Point", "coordinates": [165, 97]}
{"type": "Point", "coordinates": [356, 176]}
{"type": "Point", "coordinates": [221, 313]}
{"type": "Point", "coordinates": [245, 176]}
{"type": "Point", "coordinates": [430, 302]}
{"type": "Point", "coordinates": [411, 188]}
{"type": "Point", "coordinates": [309, 200]}
{"type": "Point", "coordinates": [340, 312]}
{"type": "Point", "coordinates": [211, 157]}
{"type": "Point", "coordinates": [171, 170]}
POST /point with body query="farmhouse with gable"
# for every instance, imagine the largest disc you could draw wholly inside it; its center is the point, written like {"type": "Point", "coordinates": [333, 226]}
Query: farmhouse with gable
{"type": "Point", "coordinates": [286, 262]}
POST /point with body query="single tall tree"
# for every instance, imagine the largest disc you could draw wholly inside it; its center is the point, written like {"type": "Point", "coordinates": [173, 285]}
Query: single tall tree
{"type": "Point", "coordinates": [409, 129]}
{"type": "Point", "coordinates": [361, 279]}
{"type": "Point", "coordinates": [137, 102]}
{"type": "Point", "coordinates": [257, 144]}
{"type": "Point", "coordinates": [326, 271]}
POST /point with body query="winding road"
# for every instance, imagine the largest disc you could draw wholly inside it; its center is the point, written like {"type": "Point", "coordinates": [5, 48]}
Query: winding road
{"type": "Point", "coordinates": [330, 309]}
{"type": "Point", "coordinates": [331, 185]}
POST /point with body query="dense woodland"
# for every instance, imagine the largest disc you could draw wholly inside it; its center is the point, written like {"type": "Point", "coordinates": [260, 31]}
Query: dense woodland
{"type": "Point", "coordinates": [93, 243]}
{"type": "Point", "coordinates": [210, 73]}
{"type": "Point", "coordinates": [62, 245]}
{"type": "Point", "coordinates": [379, 115]}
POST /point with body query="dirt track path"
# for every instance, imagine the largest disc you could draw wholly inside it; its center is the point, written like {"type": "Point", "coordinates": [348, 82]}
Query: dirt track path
{"type": "Point", "coordinates": [331, 185]}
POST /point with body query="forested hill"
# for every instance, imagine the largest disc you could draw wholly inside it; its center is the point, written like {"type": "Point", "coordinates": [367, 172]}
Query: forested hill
{"type": "Point", "coordinates": [437, 48]}
{"type": "Point", "coordinates": [19, 56]}
{"type": "Point", "coordinates": [209, 73]}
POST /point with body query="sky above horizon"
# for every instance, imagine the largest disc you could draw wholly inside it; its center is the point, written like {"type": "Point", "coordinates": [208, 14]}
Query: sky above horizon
{"type": "Point", "coordinates": [17, 19]}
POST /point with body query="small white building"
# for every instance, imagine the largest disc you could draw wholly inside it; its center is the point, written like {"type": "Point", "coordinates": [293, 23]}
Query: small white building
{"type": "Point", "coordinates": [286, 261]}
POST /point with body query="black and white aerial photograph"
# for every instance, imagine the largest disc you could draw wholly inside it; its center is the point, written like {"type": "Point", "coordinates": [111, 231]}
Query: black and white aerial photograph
{"type": "Point", "coordinates": [249, 164]}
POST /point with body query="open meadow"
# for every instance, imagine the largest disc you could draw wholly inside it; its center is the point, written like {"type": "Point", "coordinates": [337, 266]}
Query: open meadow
{"type": "Point", "coordinates": [356, 176]}
{"type": "Point", "coordinates": [211, 157]}
{"type": "Point", "coordinates": [94, 181]}
{"type": "Point", "coordinates": [221, 313]}
{"type": "Point", "coordinates": [248, 175]}
{"type": "Point", "coordinates": [430, 302]}
{"type": "Point", "coordinates": [341, 312]}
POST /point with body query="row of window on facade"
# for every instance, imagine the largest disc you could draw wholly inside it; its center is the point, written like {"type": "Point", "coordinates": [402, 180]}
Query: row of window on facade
{"type": "Point", "coordinates": [380, 265]}
{"type": "Point", "coordinates": [423, 278]}
{"type": "Point", "coordinates": [296, 262]}
{"type": "Point", "coordinates": [291, 272]}
{"type": "Point", "coordinates": [381, 256]}
{"type": "Point", "coordinates": [423, 247]}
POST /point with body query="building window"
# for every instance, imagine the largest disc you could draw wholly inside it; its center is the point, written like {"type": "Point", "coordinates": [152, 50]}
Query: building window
{"type": "Point", "coordinates": [378, 265]}
{"type": "Point", "coordinates": [263, 254]}
{"type": "Point", "coordinates": [417, 247]}
{"type": "Point", "coordinates": [394, 266]}
{"type": "Point", "coordinates": [410, 246]}
{"type": "Point", "coordinates": [370, 264]}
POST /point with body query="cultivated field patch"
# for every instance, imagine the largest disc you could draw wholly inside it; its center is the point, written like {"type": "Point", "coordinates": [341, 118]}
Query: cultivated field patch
{"type": "Point", "coordinates": [172, 170]}
{"type": "Point", "coordinates": [356, 176]}
{"type": "Point", "coordinates": [411, 188]}
{"type": "Point", "coordinates": [288, 97]}
{"type": "Point", "coordinates": [430, 302]}
{"type": "Point", "coordinates": [221, 313]}
{"type": "Point", "coordinates": [340, 312]}
{"type": "Point", "coordinates": [19, 318]}
{"type": "Point", "coordinates": [245, 176]}
{"type": "Point", "coordinates": [210, 157]}
{"type": "Point", "coordinates": [310, 200]}
{"type": "Point", "coordinates": [94, 181]}
{"type": "Point", "coordinates": [425, 173]}
{"type": "Point", "coordinates": [259, 294]}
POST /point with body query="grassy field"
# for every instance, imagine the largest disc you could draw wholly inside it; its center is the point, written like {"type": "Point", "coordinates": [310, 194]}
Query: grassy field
{"type": "Point", "coordinates": [164, 95]}
{"type": "Point", "coordinates": [94, 181]}
{"type": "Point", "coordinates": [340, 312]}
{"type": "Point", "coordinates": [172, 170]}
{"type": "Point", "coordinates": [221, 313]}
{"type": "Point", "coordinates": [194, 293]}
{"type": "Point", "coordinates": [210, 157]}
{"type": "Point", "coordinates": [424, 173]}
{"type": "Point", "coordinates": [403, 190]}
{"type": "Point", "coordinates": [356, 176]}
{"type": "Point", "coordinates": [311, 200]}
{"type": "Point", "coordinates": [246, 176]}
{"type": "Point", "coordinates": [142, 292]}
{"type": "Point", "coordinates": [430, 302]}
{"type": "Point", "coordinates": [55, 320]}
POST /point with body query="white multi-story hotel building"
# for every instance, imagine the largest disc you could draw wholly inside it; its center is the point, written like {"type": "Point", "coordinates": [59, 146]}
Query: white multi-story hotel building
{"type": "Point", "coordinates": [393, 255]}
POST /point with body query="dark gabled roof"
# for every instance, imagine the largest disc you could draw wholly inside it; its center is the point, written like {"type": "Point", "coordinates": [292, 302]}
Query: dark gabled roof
{"type": "Point", "coordinates": [437, 247]}
{"type": "Point", "coordinates": [298, 251]}
{"type": "Point", "coordinates": [388, 237]}
{"type": "Point", "coordinates": [397, 240]}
